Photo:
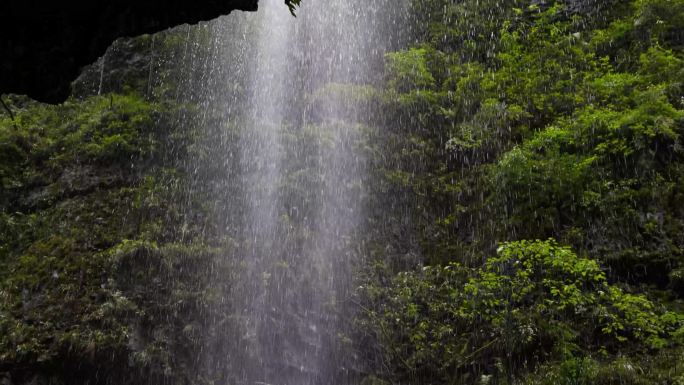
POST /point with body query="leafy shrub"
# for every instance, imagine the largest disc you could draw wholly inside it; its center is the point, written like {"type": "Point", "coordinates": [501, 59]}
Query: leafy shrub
{"type": "Point", "coordinates": [533, 302]}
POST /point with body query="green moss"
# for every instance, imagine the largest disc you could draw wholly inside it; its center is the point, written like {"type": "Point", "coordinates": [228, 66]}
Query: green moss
{"type": "Point", "coordinates": [88, 225]}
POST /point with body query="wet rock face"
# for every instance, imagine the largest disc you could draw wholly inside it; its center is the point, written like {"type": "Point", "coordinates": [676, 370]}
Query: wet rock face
{"type": "Point", "coordinates": [45, 43]}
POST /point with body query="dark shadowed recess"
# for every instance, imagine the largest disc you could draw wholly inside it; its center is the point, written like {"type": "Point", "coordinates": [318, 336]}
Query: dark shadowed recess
{"type": "Point", "coordinates": [45, 43]}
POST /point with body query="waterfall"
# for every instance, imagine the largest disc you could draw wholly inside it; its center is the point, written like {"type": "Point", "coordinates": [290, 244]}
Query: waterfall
{"type": "Point", "coordinates": [281, 120]}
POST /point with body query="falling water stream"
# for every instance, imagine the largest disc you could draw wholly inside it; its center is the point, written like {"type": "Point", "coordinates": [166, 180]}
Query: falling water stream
{"type": "Point", "coordinates": [274, 93]}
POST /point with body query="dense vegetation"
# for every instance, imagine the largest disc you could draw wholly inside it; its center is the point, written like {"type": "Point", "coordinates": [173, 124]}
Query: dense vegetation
{"type": "Point", "coordinates": [92, 250]}
{"type": "Point", "coordinates": [525, 207]}
{"type": "Point", "coordinates": [107, 250]}
{"type": "Point", "coordinates": [518, 123]}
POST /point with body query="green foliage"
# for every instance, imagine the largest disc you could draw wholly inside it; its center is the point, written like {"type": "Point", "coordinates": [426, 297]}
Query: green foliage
{"type": "Point", "coordinates": [91, 213]}
{"type": "Point", "coordinates": [548, 132]}
{"type": "Point", "coordinates": [515, 121]}
{"type": "Point", "coordinates": [506, 120]}
{"type": "Point", "coordinates": [622, 370]}
{"type": "Point", "coordinates": [409, 71]}
{"type": "Point", "coordinates": [532, 303]}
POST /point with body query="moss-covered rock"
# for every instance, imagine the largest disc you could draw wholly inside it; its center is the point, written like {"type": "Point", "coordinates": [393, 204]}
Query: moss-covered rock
{"type": "Point", "coordinates": [92, 269]}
